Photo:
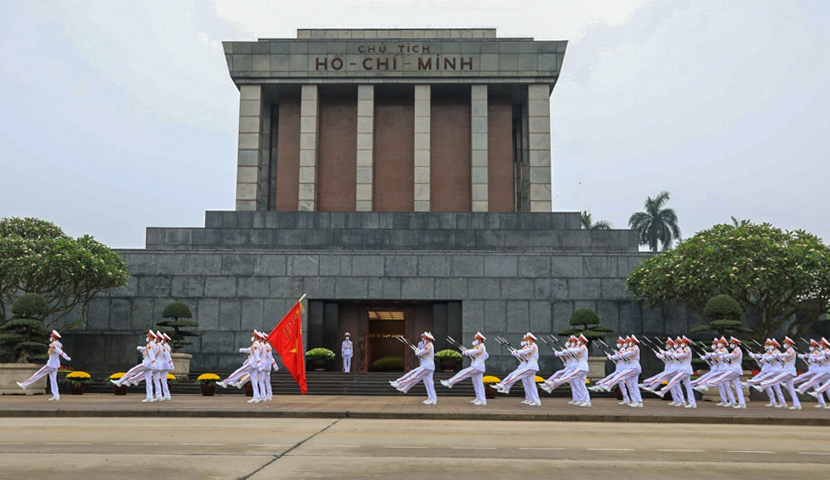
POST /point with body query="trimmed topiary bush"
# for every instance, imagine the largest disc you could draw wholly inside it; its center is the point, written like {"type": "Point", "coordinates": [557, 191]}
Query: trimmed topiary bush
{"type": "Point", "coordinates": [585, 321]}
{"type": "Point", "coordinates": [23, 338]}
{"type": "Point", "coordinates": [388, 364]}
{"type": "Point", "coordinates": [319, 352]}
{"type": "Point", "coordinates": [723, 313]}
{"type": "Point", "coordinates": [177, 310]}
{"type": "Point", "coordinates": [448, 355]}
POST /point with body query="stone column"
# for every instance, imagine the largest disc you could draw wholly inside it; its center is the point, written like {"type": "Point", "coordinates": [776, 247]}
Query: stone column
{"type": "Point", "coordinates": [478, 96]}
{"type": "Point", "coordinates": [422, 129]}
{"type": "Point", "coordinates": [365, 144]}
{"type": "Point", "coordinates": [249, 155]}
{"type": "Point", "coordinates": [308, 148]}
{"type": "Point", "coordinates": [538, 112]}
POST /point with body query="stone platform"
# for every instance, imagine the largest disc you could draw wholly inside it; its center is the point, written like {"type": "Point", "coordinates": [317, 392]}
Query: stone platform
{"type": "Point", "coordinates": [401, 407]}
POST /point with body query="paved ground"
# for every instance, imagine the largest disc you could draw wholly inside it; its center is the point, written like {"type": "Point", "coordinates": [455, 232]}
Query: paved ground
{"type": "Point", "coordinates": [140, 448]}
{"type": "Point", "coordinates": [401, 407]}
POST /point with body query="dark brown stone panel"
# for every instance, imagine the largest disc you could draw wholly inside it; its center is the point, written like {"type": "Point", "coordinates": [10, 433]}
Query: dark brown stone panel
{"type": "Point", "coordinates": [450, 153]}
{"type": "Point", "coordinates": [288, 154]}
{"type": "Point", "coordinates": [394, 152]}
{"type": "Point", "coordinates": [337, 153]}
{"type": "Point", "coordinates": [500, 153]}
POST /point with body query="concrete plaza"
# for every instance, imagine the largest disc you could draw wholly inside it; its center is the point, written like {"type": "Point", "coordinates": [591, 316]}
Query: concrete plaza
{"type": "Point", "coordinates": [276, 448]}
{"type": "Point", "coordinates": [403, 407]}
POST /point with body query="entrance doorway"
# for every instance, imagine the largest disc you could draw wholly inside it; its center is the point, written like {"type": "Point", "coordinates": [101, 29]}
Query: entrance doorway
{"type": "Point", "coordinates": [382, 328]}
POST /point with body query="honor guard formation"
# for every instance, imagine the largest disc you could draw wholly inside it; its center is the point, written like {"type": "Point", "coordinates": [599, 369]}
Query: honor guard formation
{"type": "Point", "coordinates": [776, 369]}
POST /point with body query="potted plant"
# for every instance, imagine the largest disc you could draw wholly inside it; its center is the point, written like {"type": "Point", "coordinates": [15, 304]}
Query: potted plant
{"type": "Point", "coordinates": [585, 321]}
{"type": "Point", "coordinates": [24, 339]}
{"type": "Point", "coordinates": [77, 381]}
{"type": "Point", "coordinates": [388, 364]}
{"type": "Point", "coordinates": [116, 389]}
{"type": "Point", "coordinates": [208, 383]}
{"type": "Point", "coordinates": [178, 337]}
{"type": "Point", "coordinates": [489, 392]}
{"type": "Point", "coordinates": [448, 359]}
{"type": "Point", "coordinates": [320, 358]}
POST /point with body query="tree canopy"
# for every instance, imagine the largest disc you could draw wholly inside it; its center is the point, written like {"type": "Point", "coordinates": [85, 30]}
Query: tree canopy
{"type": "Point", "coordinates": [36, 256]}
{"type": "Point", "coordinates": [656, 225]}
{"type": "Point", "coordinates": [779, 278]}
{"type": "Point", "coordinates": [23, 338]}
{"type": "Point", "coordinates": [589, 224]}
{"type": "Point", "coordinates": [177, 310]}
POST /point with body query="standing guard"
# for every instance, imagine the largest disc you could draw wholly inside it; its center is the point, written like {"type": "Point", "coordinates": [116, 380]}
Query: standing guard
{"type": "Point", "coordinates": [347, 350]}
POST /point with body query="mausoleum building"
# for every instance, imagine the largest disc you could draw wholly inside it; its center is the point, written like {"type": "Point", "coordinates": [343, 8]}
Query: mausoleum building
{"type": "Point", "coordinates": [401, 179]}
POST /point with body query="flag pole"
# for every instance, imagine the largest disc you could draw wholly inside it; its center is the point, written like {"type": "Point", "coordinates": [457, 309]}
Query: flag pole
{"type": "Point", "coordinates": [301, 298]}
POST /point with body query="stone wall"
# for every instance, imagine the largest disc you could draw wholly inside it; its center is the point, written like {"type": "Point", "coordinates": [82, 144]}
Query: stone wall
{"type": "Point", "coordinates": [511, 288]}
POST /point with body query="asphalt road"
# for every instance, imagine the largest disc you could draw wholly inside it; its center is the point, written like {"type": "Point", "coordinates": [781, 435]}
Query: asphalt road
{"type": "Point", "coordinates": [126, 448]}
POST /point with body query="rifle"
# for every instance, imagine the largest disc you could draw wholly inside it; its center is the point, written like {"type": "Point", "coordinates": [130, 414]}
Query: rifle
{"type": "Point", "coordinates": [505, 343]}
{"type": "Point", "coordinates": [454, 343]}
{"type": "Point", "coordinates": [407, 343]}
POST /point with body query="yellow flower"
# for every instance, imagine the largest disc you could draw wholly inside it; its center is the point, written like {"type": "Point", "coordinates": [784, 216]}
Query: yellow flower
{"type": "Point", "coordinates": [170, 376]}
{"type": "Point", "coordinates": [212, 376]}
{"type": "Point", "coordinates": [117, 375]}
{"type": "Point", "coordinates": [490, 379]}
{"type": "Point", "coordinates": [78, 375]}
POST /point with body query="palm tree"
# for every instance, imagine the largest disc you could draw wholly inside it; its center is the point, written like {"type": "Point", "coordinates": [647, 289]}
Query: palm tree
{"type": "Point", "coordinates": [740, 223]}
{"type": "Point", "coordinates": [656, 224]}
{"type": "Point", "coordinates": [588, 224]}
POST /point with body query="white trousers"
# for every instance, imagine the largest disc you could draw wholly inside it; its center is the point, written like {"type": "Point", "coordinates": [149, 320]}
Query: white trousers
{"type": "Point", "coordinates": [579, 392]}
{"type": "Point", "coordinates": [165, 388]}
{"type": "Point", "coordinates": [53, 379]}
{"type": "Point", "coordinates": [785, 379]}
{"type": "Point", "coordinates": [475, 376]}
{"type": "Point", "coordinates": [347, 363]}
{"type": "Point", "coordinates": [419, 374]}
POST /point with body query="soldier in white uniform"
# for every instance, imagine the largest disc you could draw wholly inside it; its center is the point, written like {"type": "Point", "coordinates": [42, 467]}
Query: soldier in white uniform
{"type": "Point", "coordinates": [271, 366]}
{"type": "Point", "coordinates": [766, 363]}
{"type": "Point", "coordinates": [475, 371]}
{"type": "Point", "coordinates": [577, 353]}
{"type": "Point", "coordinates": [822, 355]}
{"type": "Point", "coordinates": [249, 371]}
{"type": "Point", "coordinates": [787, 374]}
{"type": "Point", "coordinates": [51, 368]}
{"type": "Point", "coordinates": [167, 365]}
{"type": "Point", "coordinates": [424, 372]}
{"type": "Point", "coordinates": [347, 350]}
{"type": "Point", "coordinates": [528, 357]}
{"type": "Point", "coordinates": [619, 366]}
{"type": "Point", "coordinates": [143, 370]}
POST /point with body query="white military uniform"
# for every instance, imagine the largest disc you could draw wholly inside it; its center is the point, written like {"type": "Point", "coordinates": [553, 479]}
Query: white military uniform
{"type": "Point", "coordinates": [271, 366]}
{"type": "Point", "coordinates": [786, 375]}
{"type": "Point", "coordinates": [347, 350]}
{"type": "Point", "coordinates": [51, 368]}
{"type": "Point", "coordinates": [475, 372]}
{"type": "Point", "coordinates": [424, 372]}
{"type": "Point", "coordinates": [144, 370]}
{"type": "Point", "coordinates": [529, 364]}
{"type": "Point", "coordinates": [167, 365]}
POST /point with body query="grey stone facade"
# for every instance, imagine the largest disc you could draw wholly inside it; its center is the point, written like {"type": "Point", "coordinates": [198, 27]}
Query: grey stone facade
{"type": "Point", "coordinates": [511, 272]}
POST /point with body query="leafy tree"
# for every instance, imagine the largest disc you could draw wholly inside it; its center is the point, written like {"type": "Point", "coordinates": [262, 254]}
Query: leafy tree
{"type": "Point", "coordinates": [37, 257]}
{"type": "Point", "coordinates": [585, 321]}
{"type": "Point", "coordinates": [723, 314]}
{"type": "Point", "coordinates": [177, 310]}
{"type": "Point", "coordinates": [779, 278]}
{"type": "Point", "coordinates": [589, 224]}
{"type": "Point", "coordinates": [23, 338]}
{"type": "Point", "coordinates": [740, 223]}
{"type": "Point", "coordinates": [656, 225]}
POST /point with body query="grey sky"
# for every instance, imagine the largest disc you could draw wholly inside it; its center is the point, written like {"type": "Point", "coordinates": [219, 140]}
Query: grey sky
{"type": "Point", "coordinates": [118, 116]}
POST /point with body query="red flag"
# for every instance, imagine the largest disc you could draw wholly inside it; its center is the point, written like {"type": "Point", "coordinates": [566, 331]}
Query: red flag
{"type": "Point", "coordinates": [287, 340]}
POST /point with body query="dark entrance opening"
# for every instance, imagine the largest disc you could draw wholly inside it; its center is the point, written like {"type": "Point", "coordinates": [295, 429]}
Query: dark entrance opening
{"type": "Point", "coordinates": [329, 320]}
{"type": "Point", "coordinates": [382, 329]}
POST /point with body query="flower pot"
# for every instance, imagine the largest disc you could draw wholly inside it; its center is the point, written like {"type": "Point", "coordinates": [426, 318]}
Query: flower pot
{"type": "Point", "coordinates": [181, 364]}
{"type": "Point", "coordinates": [11, 373]}
{"type": "Point", "coordinates": [208, 389]}
{"type": "Point", "coordinates": [249, 389]}
{"type": "Point", "coordinates": [489, 392]}
{"type": "Point", "coordinates": [448, 365]}
{"type": "Point", "coordinates": [76, 389]}
{"type": "Point", "coordinates": [122, 390]}
{"type": "Point", "coordinates": [320, 364]}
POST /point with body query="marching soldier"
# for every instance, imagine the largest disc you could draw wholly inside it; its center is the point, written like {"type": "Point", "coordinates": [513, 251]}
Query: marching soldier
{"type": "Point", "coordinates": [528, 357]}
{"type": "Point", "coordinates": [787, 374]}
{"type": "Point", "coordinates": [51, 368]}
{"type": "Point", "coordinates": [475, 371]}
{"type": "Point", "coordinates": [144, 369]}
{"type": "Point", "coordinates": [424, 372]}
